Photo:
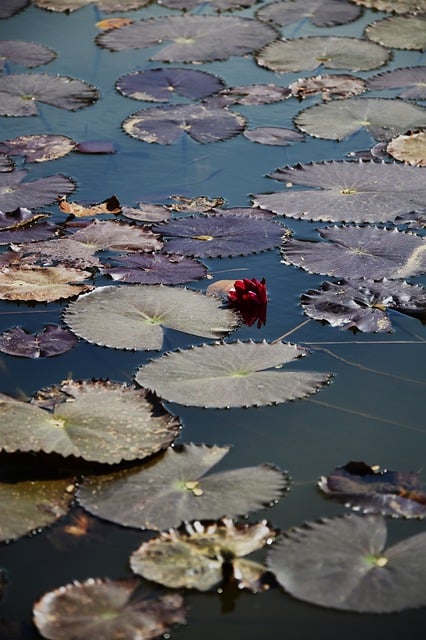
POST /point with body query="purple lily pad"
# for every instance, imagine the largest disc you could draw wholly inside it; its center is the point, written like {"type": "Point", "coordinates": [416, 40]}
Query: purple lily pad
{"type": "Point", "coordinates": [52, 341]}
{"type": "Point", "coordinates": [155, 269]}
{"type": "Point", "coordinates": [219, 5]}
{"type": "Point", "coordinates": [27, 54]}
{"type": "Point", "coordinates": [412, 79]}
{"type": "Point", "coordinates": [14, 192]}
{"type": "Point", "coordinates": [8, 8]}
{"type": "Point", "coordinates": [96, 146]}
{"type": "Point", "coordinates": [159, 85]}
{"type": "Point", "coordinates": [322, 13]}
{"type": "Point", "coordinates": [22, 225]}
{"type": "Point", "coordinates": [220, 235]}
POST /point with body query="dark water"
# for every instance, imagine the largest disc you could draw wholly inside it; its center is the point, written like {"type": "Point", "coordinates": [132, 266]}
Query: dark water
{"type": "Point", "coordinates": [363, 415]}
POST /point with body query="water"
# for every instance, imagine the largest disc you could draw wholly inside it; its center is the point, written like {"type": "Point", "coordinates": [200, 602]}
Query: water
{"type": "Point", "coordinates": [372, 411]}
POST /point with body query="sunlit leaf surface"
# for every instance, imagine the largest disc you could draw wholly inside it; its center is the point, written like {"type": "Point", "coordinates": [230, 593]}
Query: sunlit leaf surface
{"type": "Point", "coordinates": [342, 563]}
{"type": "Point", "coordinates": [397, 6]}
{"type": "Point", "coordinates": [104, 5]}
{"type": "Point", "coordinates": [399, 32]}
{"type": "Point", "coordinates": [42, 284]}
{"type": "Point", "coordinates": [26, 54]}
{"type": "Point", "coordinates": [322, 13]}
{"type": "Point", "coordinates": [410, 148]}
{"type": "Point", "coordinates": [38, 147]}
{"type": "Point", "coordinates": [174, 489]}
{"type": "Point", "coordinates": [331, 86]}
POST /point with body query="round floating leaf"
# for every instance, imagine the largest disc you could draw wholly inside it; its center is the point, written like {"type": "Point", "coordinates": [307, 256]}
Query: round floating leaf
{"type": "Point", "coordinates": [332, 52]}
{"type": "Point", "coordinates": [133, 317]}
{"type": "Point", "coordinates": [104, 5]}
{"type": "Point", "coordinates": [346, 191]}
{"type": "Point", "coordinates": [410, 148]}
{"type": "Point", "coordinates": [359, 252]}
{"type": "Point", "coordinates": [15, 193]}
{"type": "Point", "coordinates": [159, 85]}
{"type": "Point", "coordinates": [174, 488]}
{"type": "Point", "coordinates": [42, 284]}
{"type": "Point", "coordinates": [219, 5]}
{"type": "Point", "coordinates": [107, 610]}
{"type": "Point", "coordinates": [399, 32]}
{"type": "Point", "coordinates": [397, 6]}
{"type": "Point", "coordinates": [98, 421]}
{"type": "Point", "coordinates": [241, 374]}
{"type": "Point", "coordinates": [65, 251]}
{"type": "Point", "coordinates": [253, 94]}
{"type": "Point", "coordinates": [155, 269]}
{"type": "Point", "coordinates": [192, 38]}
{"type": "Point", "coordinates": [382, 118]}
{"type": "Point", "coordinates": [19, 93]}
{"type": "Point", "coordinates": [52, 341]}
{"type": "Point", "coordinates": [413, 79]}
{"type": "Point", "coordinates": [38, 148]}
{"type": "Point", "coordinates": [331, 86]}
{"type": "Point", "coordinates": [279, 136]}
{"type": "Point", "coordinates": [117, 236]}
{"type": "Point", "coordinates": [220, 235]}
{"type": "Point", "coordinates": [362, 304]}
{"type": "Point", "coordinates": [341, 563]}
{"type": "Point", "coordinates": [168, 124]}
{"type": "Point", "coordinates": [29, 505]}
{"type": "Point", "coordinates": [147, 212]}
{"type": "Point", "coordinates": [10, 7]}
{"type": "Point", "coordinates": [194, 555]}
{"type": "Point", "coordinates": [27, 54]}
{"type": "Point", "coordinates": [322, 13]}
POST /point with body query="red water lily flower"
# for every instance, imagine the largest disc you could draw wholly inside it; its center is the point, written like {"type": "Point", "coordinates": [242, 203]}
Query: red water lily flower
{"type": "Point", "coordinates": [250, 298]}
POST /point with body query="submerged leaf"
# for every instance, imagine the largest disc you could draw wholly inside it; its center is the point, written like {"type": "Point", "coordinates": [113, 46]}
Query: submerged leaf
{"type": "Point", "coordinates": [159, 85]}
{"type": "Point", "coordinates": [399, 32]}
{"type": "Point", "coordinates": [106, 610]}
{"type": "Point", "coordinates": [52, 341]}
{"type": "Point", "coordinates": [342, 563]}
{"type": "Point", "coordinates": [14, 192]}
{"type": "Point", "coordinates": [240, 374]}
{"type": "Point", "coordinates": [174, 488]}
{"type": "Point", "coordinates": [27, 54]}
{"type": "Point", "coordinates": [133, 317]}
{"type": "Point", "coordinates": [322, 13]}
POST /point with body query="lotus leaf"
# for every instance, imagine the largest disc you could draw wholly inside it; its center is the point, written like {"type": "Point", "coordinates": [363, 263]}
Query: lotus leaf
{"type": "Point", "coordinates": [363, 304]}
{"type": "Point", "coordinates": [383, 118]}
{"type": "Point", "coordinates": [16, 193]}
{"type": "Point", "coordinates": [174, 489]}
{"type": "Point", "coordinates": [413, 79]}
{"type": "Point", "coordinates": [279, 136]}
{"type": "Point", "coordinates": [10, 7]}
{"type": "Point", "coordinates": [30, 505]}
{"type": "Point", "coordinates": [399, 32]}
{"type": "Point", "coordinates": [194, 555]}
{"type": "Point", "coordinates": [342, 563]}
{"type": "Point", "coordinates": [332, 86]}
{"type": "Point", "coordinates": [104, 5]}
{"type": "Point", "coordinates": [358, 252]}
{"type": "Point", "coordinates": [166, 125]}
{"type": "Point", "coordinates": [143, 311]}
{"type": "Point", "coordinates": [332, 52]}
{"type": "Point", "coordinates": [397, 6]}
{"type": "Point", "coordinates": [98, 421]}
{"type": "Point", "coordinates": [322, 13]}
{"type": "Point", "coordinates": [220, 235]}
{"type": "Point", "coordinates": [240, 374]}
{"type": "Point", "coordinates": [410, 148]}
{"type": "Point", "coordinates": [346, 191]}
{"type": "Point", "coordinates": [191, 38]}
{"type": "Point", "coordinates": [374, 490]}
{"type": "Point", "coordinates": [41, 284]}
{"type": "Point", "coordinates": [38, 148]}
{"type": "Point", "coordinates": [27, 54]}
{"type": "Point", "coordinates": [19, 93]}
{"type": "Point", "coordinates": [106, 610]}
{"type": "Point", "coordinates": [159, 85]}
{"type": "Point", "coordinates": [155, 269]}
{"type": "Point", "coordinates": [52, 341]}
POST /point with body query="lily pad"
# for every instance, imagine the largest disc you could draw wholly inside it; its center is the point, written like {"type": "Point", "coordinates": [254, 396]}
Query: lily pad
{"type": "Point", "coordinates": [375, 490]}
{"type": "Point", "coordinates": [96, 420]}
{"type": "Point", "coordinates": [346, 191]}
{"type": "Point", "coordinates": [220, 235]}
{"type": "Point", "coordinates": [52, 341]}
{"type": "Point", "coordinates": [219, 5]}
{"type": "Point", "coordinates": [166, 125]}
{"type": "Point", "coordinates": [159, 85]}
{"type": "Point", "coordinates": [147, 212]}
{"type": "Point", "coordinates": [64, 252]}
{"type": "Point", "coordinates": [155, 268]}
{"type": "Point", "coordinates": [363, 304]}
{"type": "Point", "coordinates": [14, 192]}
{"type": "Point", "coordinates": [399, 32]}
{"type": "Point", "coordinates": [107, 610]}
{"type": "Point", "coordinates": [108, 206]}
{"type": "Point", "coordinates": [331, 87]}
{"type": "Point", "coordinates": [174, 489]}
{"type": "Point", "coordinates": [240, 374]}
{"type": "Point", "coordinates": [190, 38]}
{"type": "Point", "coordinates": [38, 148]}
{"type": "Point", "coordinates": [322, 13]}
{"type": "Point", "coordinates": [30, 505]}
{"type": "Point", "coordinates": [278, 136]}
{"type": "Point", "coordinates": [413, 79]}
{"type": "Point", "coordinates": [6, 163]}
{"type": "Point", "coordinates": [254, 94]}
{"type": "Point", "coordinates": [104, 5]}
{"type": "Point", "coordinates": [27, 54]}
{"type": "Point", "coordinates": [133, 317]}
{"type": "Point", "coordinates": [382, 118]}
{"type": "Point", "coordinates": [359, 252]}
{"type": "Point", "coordinates": [410, 148]}
{"type": "Point", "coordinates": [396, 6]}
{"type": "Point", "coordinates": [42, 284]}
{"type": "Point", "coordinates": [194, 555]}
{"type": "Point", "coordinates": [10, 7]}
{"type": "Point", "coordinates": [117, 236]}
{"type": "Point", "coordinates": [342, 563]}
{"type": "Point", "coordinates": [332, 52]}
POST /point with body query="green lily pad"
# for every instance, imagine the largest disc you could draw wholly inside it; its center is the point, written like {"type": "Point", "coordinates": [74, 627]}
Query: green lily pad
{"type": "Point", "coordinates": [240, 374]}
{"type": "Point", "coordinates": [134, 317]}
{"type": "Point", "coordinates": [399, 32]}
{"type": "Point", "coordinates": [194, 555]}
{"type": "Point", "coordinates": [106, 610]}
{"type": "Point", "coordinates": [342, 563]}
{"type": "Point", "coordinates": [174, 489]}
{"type": "Point", "coordinates": [98, 421]}
{"type": "Point", "coordinates": [30, 505]}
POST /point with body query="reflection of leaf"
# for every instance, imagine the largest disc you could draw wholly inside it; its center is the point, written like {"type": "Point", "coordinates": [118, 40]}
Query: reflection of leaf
{"type": "Point", "coordinates": [27, 54]}
{"type": "Point", "coordinates": [193, 556]}
{"type": "Point", "coordinates": [399, 32]}
{"type": "Point", "coordinates": [192, 38]}
{"type": "Point", "coordinates": [29, 505]}
{"type": "Point", "coordinates": [413, 79]}
{"type": "Point", "coordinates": [133, 317]}
{"type": "Point", "coordinates": [174, 489]}
{"type": "Point", "coordinates": [410, 148]}
{"type": "Point", "coordinates": [383, 118]}
{"type": "Point", "coordinates": [375, 490]}
{"type": "Point", "coordinates": [322, 13]}
{"type": "Point", "coordinates": [159, 85]}
{"type": "Point", "coordinates": [52, 341]}
{"type": "Point", "coordinates": [342, 563]}
{"type": "Point", "coordinates": [38, 148]}
{"type": "Point", "coordinates": [363, 304]}
{"type": "Point", "coordinates": [333, 52]}
{"type": "Point", "coordinates": [358, 252]}
{"type": "Point", "coordinates": [15, 193]}
{"type": "Point", "coordinates": [106, 610]}
{"type": "Point", "coordinates": [98, 421]}
{"type": "Point", "coordinates": [346, 191]}
{"type": "Point", "coordinates": [42, 284]}
{"type": "Point", "coordinates": [240, 374]}
{"type": "Point", "coordinates": [155, 268]}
